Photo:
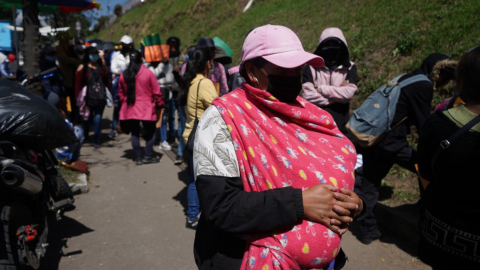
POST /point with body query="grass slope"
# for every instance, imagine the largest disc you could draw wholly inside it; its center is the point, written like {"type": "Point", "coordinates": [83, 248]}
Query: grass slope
{"type": "Point", "coordinates": [385, 37]}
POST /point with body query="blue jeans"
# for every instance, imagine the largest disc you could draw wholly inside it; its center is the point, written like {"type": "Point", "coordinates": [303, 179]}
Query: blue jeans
{"type": "Point", "coordinates": [193, 203]}
{"type": "Point", "coordinates": [171, 114]}
{"type": "Point", "coordinates": [116, 109]}
{"type": "Point", "coordinates": [75, 148]}
{"type": "Point", "coordinates": [96, 114]}
{"type": "Point", "coordinates": [182, 120]}
{"type": "Point", "coordinates": [163, 127]}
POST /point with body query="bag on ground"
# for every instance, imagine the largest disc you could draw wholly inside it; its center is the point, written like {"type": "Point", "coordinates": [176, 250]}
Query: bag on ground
{"type": "Point", "coordinates": [96, 91]}
{"type": "Point", "coordinates": [371, 122]}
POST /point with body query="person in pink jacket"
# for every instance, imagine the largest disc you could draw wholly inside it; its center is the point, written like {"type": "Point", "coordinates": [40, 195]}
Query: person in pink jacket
{"type": "Point", "coordinates": [332, 86]}
{"type": "Point", "coordinates": [140, 98]}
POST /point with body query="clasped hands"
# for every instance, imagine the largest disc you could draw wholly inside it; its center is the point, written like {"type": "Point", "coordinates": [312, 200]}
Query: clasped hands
{"type": "Point", "coordinates": [332, 207]}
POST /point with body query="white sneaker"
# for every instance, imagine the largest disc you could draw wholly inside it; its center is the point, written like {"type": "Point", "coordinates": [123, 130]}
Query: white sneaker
{"type": "Point", "coordinates": [165, 146]}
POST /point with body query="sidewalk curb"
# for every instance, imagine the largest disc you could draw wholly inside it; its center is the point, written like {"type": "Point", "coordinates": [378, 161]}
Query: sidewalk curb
{"type": "Point", "coordinates": [403, 219]}
{"type": "Point", "coordinates": [82, 187]}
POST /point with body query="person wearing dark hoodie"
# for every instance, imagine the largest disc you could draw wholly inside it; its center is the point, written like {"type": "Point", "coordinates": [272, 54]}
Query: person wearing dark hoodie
{"type": "Point", "coordinates": [176, 59]}
{"type": "Point", "coordinates": [52, 86]}
{"type": "Point", "coordinates": [413, 108]}
{"type": "Point", "coordinates": [332, 86]}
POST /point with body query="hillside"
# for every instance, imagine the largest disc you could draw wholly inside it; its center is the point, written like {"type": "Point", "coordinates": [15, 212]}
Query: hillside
{"type": "Point", "coordinates": [385, 37]}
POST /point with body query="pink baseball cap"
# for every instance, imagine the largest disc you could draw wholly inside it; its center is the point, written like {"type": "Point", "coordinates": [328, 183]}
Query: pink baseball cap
{"type": "Point", "coordinates": [278, 45]}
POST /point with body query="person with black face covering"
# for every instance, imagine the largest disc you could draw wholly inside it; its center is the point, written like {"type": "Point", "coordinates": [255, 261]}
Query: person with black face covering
{"type": "Point", "coordinates": [332, 86]}
{"type": "Point", "coordinates": [256, 160]}
{"type": "Point", "coordinates": [413, 108]}
{"type": "Point", "coordinates": [119, 63]}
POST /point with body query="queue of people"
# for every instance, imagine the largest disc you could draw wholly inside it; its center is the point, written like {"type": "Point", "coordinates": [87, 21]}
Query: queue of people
{"type": "Point", "coordinates": [276, 172]}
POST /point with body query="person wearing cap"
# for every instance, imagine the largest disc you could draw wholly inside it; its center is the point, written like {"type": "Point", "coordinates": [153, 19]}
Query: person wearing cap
{"type": "Point", "coordinates": [5, 68]}
{"type": "Point", "coordinates": [54, 91]}
{"type": "Point", "coordinates": [332, 86]}
{"type": "Point", "coordinates": [119, 62]}
{"type": "Point", "coordinates": [13, 63]}
{"type": "Point", "coordinates": [273, 172]}
{"type": "Point", "coordinates": [218, 76]}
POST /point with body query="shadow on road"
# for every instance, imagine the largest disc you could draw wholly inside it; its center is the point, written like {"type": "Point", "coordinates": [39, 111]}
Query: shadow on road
{"type": "Point", "coordinates": [182, 195]}
{"type": "Point", "coordinates": [58, 238]}
{"type": "Point", "coordinates": [398, 225]}
{"type": "Point", "coordinates": [129, 154]}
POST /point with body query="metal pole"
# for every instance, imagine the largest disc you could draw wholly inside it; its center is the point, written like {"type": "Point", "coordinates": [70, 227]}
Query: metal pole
{"type": "Point", "coordinates": [15, 30]}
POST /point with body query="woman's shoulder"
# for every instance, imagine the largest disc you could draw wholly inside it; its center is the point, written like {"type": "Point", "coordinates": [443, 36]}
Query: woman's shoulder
{"type": "Point", "coordinates": [146, 70]}
{"type": "Point", "coordinates": [207, 83]}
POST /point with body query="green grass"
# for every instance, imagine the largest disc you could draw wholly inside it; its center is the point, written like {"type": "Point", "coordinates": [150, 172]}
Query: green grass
{"type": "Point", "coordinates": [385, 37]}
{"type": "Point", "coordinates": [70, 176]}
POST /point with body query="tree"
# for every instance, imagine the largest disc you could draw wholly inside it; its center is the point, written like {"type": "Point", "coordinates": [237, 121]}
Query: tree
{"type": "Point", "coordinates": [118, 10]}
{"type": "Point", "coordinates": [31, 40]}
{"type": "Point", "coordinates": [60, 19]}
{"type": "Point", "coordinates": [5, 13]}
{"type": "Point", "coordinates": [102, 22]}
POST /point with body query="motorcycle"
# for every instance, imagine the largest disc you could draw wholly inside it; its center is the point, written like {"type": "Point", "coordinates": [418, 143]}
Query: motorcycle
{"type": "Point", "coordinates": [33, 196]}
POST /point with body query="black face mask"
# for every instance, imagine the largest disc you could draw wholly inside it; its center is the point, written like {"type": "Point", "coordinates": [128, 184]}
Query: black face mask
{"type": "Point", "coordinates": [284, 88]}
{"type": "Point", "coordinates": [330, 55]}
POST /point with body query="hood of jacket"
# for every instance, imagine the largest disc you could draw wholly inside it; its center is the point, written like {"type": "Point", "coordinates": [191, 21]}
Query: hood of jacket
{"type": "Point", "coordinates": [336, 34]}
{"type": "Point", "coordinates": [433, 64]}
{"type": "Point", "coordinates": [427, 65]}
{"type": "Point", "coordinates": [448, 65]}
{"type": "Point", "coordinates": [177, 40]}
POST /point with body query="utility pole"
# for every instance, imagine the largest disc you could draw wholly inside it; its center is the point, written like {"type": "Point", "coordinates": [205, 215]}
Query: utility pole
{"type": "Point", "coordinates": [78, 27]}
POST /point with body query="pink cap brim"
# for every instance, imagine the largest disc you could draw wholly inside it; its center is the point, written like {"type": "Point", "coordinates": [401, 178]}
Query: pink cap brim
{"type": "Point", "coordinates": [293, 59]}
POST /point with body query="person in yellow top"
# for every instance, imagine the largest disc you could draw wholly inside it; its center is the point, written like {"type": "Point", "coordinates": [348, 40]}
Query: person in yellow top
{"type": "Point", "coordinates": [198, 70]}
{"type": "Point", "coordinates": [201, 92]}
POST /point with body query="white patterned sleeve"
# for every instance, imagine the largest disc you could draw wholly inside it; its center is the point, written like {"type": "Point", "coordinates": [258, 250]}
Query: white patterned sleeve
{"type": "Point", "coordinates": [214, 152]}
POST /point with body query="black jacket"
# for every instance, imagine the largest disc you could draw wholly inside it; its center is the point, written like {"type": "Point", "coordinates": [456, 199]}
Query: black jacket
{"type": "Point", "coordinates": [228, 210]}
{"type": "Point", "coordinates": [414, 103]}
{"type": "Point", "coordinates": [54, 82]}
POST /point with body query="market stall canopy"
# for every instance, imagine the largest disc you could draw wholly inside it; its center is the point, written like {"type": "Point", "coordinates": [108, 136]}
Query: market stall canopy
{"type": "Point", "coordinates": [50, 6]}
{"type": "Point", "coordinates": [44, 31]}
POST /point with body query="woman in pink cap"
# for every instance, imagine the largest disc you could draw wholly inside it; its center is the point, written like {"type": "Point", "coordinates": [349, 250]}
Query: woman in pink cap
{"type": "Point", "coordinates": [274, 174]}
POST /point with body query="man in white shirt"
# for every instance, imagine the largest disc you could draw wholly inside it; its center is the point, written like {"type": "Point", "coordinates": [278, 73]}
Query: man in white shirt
{"type": "Point", "coordinates": [119, 63]}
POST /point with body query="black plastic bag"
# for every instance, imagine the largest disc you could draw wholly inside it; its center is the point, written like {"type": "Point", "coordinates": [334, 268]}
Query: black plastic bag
{"type": "Point", "coordinates": [29, 121]}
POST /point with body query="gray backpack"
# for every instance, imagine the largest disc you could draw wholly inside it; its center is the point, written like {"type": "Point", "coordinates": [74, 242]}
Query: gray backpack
{"type": "Point", "coordinates": [371, 122]}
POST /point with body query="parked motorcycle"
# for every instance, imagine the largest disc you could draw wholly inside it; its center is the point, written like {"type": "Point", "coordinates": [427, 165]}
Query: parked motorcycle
{"type": "Point", "coordinates": [33, 193]}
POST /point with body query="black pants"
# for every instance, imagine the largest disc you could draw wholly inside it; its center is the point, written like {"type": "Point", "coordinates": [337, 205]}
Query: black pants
{"type": "Point", "coordinates": [376, 165]}
{"type": "Point", "coordinates": [148, 135]}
